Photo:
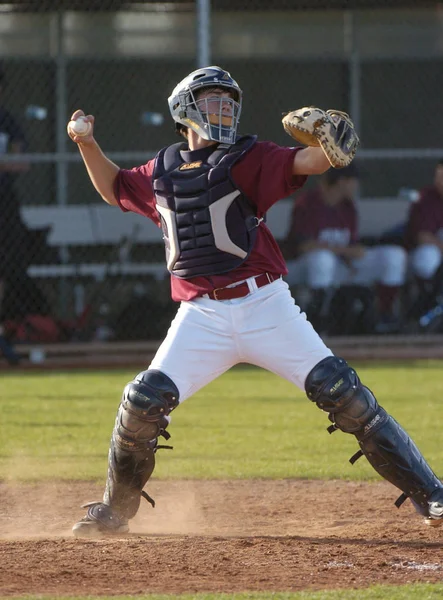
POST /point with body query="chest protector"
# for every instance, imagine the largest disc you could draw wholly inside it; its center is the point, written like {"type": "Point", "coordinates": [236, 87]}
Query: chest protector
{"type": "Point", "coordinates": [209, 226]}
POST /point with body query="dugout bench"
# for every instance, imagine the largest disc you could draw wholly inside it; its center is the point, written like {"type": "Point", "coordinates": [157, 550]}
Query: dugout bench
{"type": "Point", "coordinates": [100, 225]}
{"type": "Point", "coordinates": [95, 244]}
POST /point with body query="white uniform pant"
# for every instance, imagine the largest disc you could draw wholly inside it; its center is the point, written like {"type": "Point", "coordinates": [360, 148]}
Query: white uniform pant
{"type": "Point", "coordinates": [425, 260]}
{"type": "Point", "coordinates": [266, 328]}
{"type": "Point", "coordinates": [386, 264]}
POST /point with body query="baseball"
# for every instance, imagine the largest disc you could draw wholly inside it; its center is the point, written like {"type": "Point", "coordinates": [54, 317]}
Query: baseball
{"type": "Point", "coordinates": [80, 127]}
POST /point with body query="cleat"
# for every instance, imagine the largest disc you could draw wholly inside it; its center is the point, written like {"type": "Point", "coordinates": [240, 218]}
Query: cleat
{"type": "Point", "coordinates": [435, 518]}
{"type": "Point", "coordinates": [100, 521]}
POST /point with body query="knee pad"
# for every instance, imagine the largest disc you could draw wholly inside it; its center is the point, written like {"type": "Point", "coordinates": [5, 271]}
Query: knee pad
{"type": "Point", "coordinates": [145, 404]}
{"type": "Point", "coordinates": [335, 388]}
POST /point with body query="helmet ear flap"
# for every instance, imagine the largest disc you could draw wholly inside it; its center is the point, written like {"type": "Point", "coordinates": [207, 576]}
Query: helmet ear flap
{"type": "Point", "coordinates": [180, 129]}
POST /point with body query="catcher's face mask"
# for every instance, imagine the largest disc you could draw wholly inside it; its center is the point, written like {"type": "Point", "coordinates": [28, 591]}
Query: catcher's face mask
{"type": "Point", "coordinates": [209, 102]}
{"type": "Point", "coordinates": [219, 112]}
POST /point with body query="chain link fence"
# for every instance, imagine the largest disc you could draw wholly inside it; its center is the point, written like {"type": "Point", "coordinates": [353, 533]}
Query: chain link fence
{"type": "Point", "coordinates": [77, 269]}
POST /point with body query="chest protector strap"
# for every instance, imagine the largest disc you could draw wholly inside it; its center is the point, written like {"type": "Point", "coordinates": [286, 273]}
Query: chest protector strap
{"type": "Point", "coordinates": [209, 226]}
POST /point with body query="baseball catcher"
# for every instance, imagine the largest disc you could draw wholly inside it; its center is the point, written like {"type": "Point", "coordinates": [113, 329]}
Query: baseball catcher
{"type": "Point", "coordinates": [333, 130]}
{"type": "Point", "coordinates": [209, 193]}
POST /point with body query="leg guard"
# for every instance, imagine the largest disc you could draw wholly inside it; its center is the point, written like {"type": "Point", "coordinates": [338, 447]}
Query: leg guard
{"type": "Point", "coordinates": [141, 418]}
{"type": "Point", "coordinates": [336, 389]}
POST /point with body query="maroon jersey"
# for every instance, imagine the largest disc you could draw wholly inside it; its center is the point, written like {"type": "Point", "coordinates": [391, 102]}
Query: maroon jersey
{"type": "Point", "coordinates": [313, 219]}
{"type": "Point", "coordinates": [264, 175]}
{"type": "Point", "coordinates": [425, 215]}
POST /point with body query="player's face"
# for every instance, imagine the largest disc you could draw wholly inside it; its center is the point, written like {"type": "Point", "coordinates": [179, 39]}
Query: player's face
{"type": "Point", "coordinates": [438, 179]}
{"type": "Point", "coordinates": [211, 101]}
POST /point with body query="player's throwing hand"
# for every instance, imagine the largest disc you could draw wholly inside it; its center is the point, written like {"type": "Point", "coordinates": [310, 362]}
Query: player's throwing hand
{"type": "Point", "coordinates": [81, 128]}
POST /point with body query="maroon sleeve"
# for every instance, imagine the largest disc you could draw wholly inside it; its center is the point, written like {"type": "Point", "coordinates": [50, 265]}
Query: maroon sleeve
{"type": "Point", "coordinates": [265, 174]}
{"type": "Point", "coordinates": [422, 216]}
{"type": "Point", "coordinates": [134, 193]}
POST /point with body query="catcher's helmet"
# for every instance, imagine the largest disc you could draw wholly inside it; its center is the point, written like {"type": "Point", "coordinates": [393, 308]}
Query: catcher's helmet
{"type": "Point", "coordinates": [188, 111]}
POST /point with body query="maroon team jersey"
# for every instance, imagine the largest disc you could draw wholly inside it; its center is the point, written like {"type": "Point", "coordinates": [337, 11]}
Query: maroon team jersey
{"type": "Point", "coordinates": [264, 175]}
{"type": "Point", "coordinates": [425, 215]}
{"type": "Point", "coordinates": [313, 219]}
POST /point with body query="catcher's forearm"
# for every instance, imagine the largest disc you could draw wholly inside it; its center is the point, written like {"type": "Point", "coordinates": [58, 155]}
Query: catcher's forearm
{"type": "Point", "coordinates": [101, 171]}
{"type": "Point", "coordinates": [310, 161]}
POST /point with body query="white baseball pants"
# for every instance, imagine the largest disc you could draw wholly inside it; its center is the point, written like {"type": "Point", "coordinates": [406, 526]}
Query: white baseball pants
{"type": "Point", "coordinates": [425, 260]}
{"type": "Point", "coordinates": [266, 328]}
{"type": "Point", "coordinates": [385, 264]}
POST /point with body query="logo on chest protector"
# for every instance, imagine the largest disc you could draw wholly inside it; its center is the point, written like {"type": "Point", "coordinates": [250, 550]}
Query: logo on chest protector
{"type": "Point", "coordinates": [193, 165]}
{"type": "Point", "coordinates": [336, 386]}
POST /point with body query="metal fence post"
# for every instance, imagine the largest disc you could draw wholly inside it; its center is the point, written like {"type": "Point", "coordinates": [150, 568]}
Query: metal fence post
{"type": "Point", "coordinates": [203, 33]}
{"type": "Point", "coordinates": [61, 166]}
{"type": "Point", "coordinates": [354, 67]}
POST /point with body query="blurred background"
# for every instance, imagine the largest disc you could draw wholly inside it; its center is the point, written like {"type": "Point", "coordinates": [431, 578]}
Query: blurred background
{"type": "Point", "coordinates": [79, 270]}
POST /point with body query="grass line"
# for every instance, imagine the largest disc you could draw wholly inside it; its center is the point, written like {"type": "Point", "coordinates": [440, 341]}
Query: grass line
{"type": "Point", "coordinates": [409, 592]}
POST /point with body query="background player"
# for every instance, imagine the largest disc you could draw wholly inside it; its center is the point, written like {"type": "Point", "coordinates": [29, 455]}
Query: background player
{"type": "Point", "coordinates": [424, 239]}
{"type": "Point", "coordinates": [209, 194]}
{"type": "Point", "coordinates": [324, 241]}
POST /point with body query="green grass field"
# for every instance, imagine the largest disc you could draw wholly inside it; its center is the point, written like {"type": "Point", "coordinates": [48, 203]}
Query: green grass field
{"type": "Point", "coordinates": [247, 424]}
{"type": "Point", "coordinates": [58, 425]}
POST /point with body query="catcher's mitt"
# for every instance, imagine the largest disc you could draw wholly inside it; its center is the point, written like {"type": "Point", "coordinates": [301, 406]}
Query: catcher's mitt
{"type": "Point", "coordinates": [333, 130]}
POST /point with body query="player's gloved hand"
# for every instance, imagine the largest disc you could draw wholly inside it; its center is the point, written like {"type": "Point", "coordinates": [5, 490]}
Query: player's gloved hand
{"type": "Point", "coordinates": [333, 130]}
{"type": "Point", "coordinates": [81, 128]}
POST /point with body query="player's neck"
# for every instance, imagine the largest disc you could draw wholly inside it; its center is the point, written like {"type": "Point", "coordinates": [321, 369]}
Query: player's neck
{"type": "Point", "coordinates": [196, 142]}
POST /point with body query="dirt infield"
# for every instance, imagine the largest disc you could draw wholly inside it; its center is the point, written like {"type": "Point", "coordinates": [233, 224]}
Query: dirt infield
{"type": "Point", "coordinates": [220, 536]}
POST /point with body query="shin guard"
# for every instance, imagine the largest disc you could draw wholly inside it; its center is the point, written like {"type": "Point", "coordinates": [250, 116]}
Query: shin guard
{"type": "Point", "coordinates": [353, 408]}
{"type": "Point", "coordinates": [141, 419]}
